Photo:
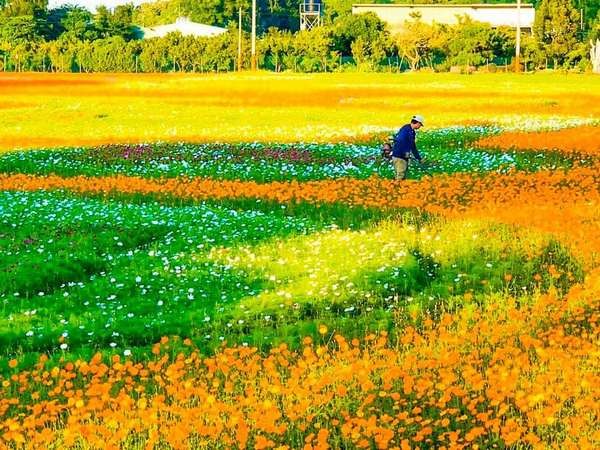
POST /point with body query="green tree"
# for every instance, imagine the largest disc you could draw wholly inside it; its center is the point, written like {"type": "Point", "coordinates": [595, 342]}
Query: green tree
{"type": "Point", "coordinates": [20, 29]}
{"type": "Point", "coordinates": [19, 55]}
{"type": "Point", "coordinates": [279, 13]}
{"type": "Point", "coordinates": [595, 28]}
{"type": "Point", "coordinates": [85, 56]}
{"type": "Point", "coordinates": [531, 52]}
{"type": "Point", "coordinates": [278, 47]}
{"type": "Point", "coordinates": [61, 54]}
{"type": "Point", "coordinates": [54, 20]}
{"type": "Point", "coordinates": [417, 42]}
{"type": "Point", "coordinates": [116, 23]}
{"type": "Point", "coordinates": [332, 9]}
{"type": "Point", "coordinates": [589, 9]}
{"type": "Point", "coordinates": [312, 49]}
{"type": "Point", "coordinates": [555, 28]}
{"type": "Point", "coordinates": [77, 23]}
{"type": "Point", "coordinates": [14, 8]}
{"type": "Point", "coordinates": [475, 43]}
{"type": "Point", "coordinates": [360, 52]}
{"type": "Point", "coordinates": [206, 11]}
{"type": "Point", "coordinates": [122, 22]}
{"type": "Point", "coordinates": [154, 55]}
{"type": "Point", "coordinates": [154, 13]}
{"type": "Point", "coordinates": [346, 29]}
{"type": "Point", "coordinates": [283, 14]}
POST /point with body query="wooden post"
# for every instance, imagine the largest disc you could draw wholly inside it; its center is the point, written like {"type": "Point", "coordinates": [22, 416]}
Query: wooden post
{"type": "Point", "coordinates": [239, 64]}
{"type": "Point", "coordinates": [518, 43]}
{"type": "Point", "coordinates": [253, 34]}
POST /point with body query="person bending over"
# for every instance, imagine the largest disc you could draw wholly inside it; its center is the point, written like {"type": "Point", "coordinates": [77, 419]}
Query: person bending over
{"type": "Point", "coordinates": [405, 146]}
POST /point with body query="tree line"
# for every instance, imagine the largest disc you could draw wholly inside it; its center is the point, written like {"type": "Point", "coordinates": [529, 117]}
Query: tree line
{"type": "Point", "coordinates": [72, 39]}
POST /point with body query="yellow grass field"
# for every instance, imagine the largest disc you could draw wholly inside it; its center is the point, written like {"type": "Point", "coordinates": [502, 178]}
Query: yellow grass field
{"type": "Point", "coordinates": [50, 110]}
{"type": "Point", "coordinates": [272, 296]}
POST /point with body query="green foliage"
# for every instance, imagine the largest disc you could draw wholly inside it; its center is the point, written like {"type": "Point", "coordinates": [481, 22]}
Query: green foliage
{"type": "Point", "coordinates": [77, 23]}
{"type": "Point", "coordinates": [555, 28]}
{"type": "Point", "coordinates": [280, 13]}
{"type": "Point", "coordinates": [421, 42]}
{"type": "Point", "coordinates": [578, 57]}
{"type": "Point", "coordinates": [532, 52]}
{"type": "Point", "coordinates": [20, 30]}
{"type": "Point", "coordinates": [451, 149]}
{"type": "Point", "coordinates": [347, 29]}
{"type": "Point", "coordinates": [278, 49]}
{"type": "Point", "coordinates": [390, 267]}
{"type": "Point", "coordinates": [283, 14]}
{"type": "Point", "coordinates": [155, 13]}
{"type": "Point", "coordinates": [312, 49]}
{"type": "Point", "coordinates": [475, 43]}
{"type": "Point", "coordinates": [126, 272]}
{"type": "Point", "coordinates": [76, 40]}
{"type": "Point", "coordinates": [112, 54]}
{"type": "Point", "coordinates": [332, 9]}
{"type": "Point", "coordinates": [69, 263]}
{"type": "Point", "coordinates": [116, 23]}
{"type": "Point", "coordinates": [591, 12]}
{"type": "Point", "coordinates": [15, 8]}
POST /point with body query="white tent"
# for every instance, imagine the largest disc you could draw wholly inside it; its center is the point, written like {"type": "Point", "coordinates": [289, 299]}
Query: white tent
{"type": "Point", "coordinates": [185, 26]}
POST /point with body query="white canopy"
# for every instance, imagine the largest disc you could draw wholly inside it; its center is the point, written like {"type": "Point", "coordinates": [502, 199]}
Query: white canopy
{"type": "Point", "coordinates": [186, 27]}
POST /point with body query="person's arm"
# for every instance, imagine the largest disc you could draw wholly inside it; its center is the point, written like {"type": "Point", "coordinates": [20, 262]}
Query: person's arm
{"type": "Point", "coordinates": [415, 152]}
{"type": "Point", "coordinates": [397, 141]}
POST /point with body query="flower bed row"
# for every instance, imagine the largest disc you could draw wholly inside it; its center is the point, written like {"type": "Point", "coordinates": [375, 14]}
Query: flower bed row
{"type": "Point", "coordinates": [506, 375]}
{"type": "Point", "coordinates": [448, 151]}
{"type": "Point", "coordinates": [559, 199]}
{"type": "Point", "coordinates": [580, 140]}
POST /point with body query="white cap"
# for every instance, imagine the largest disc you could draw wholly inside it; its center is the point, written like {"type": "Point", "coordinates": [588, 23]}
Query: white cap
{"type": "Point", "coordinates": [419, 119]}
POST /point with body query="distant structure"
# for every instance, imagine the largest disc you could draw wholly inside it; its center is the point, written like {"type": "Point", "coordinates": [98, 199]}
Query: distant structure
{"type": "Point", "coordinates": [595, 55]}
{"type": "Point", "coordinates": [495, 14]}
{"type": "Point", "coordinates": [185, 26]}
{"type": "Point", "coordinates": [310, 14]}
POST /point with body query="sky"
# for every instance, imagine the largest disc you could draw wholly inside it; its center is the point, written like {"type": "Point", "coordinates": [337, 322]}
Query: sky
{"type": "Point", "coordinates": [91, 4]}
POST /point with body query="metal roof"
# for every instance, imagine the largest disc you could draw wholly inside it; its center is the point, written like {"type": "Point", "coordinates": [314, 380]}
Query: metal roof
{"type": "Point", "coordinates": [184, 26]}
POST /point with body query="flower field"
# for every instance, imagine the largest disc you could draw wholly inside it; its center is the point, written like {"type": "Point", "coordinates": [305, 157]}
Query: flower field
{"type": "Point", "coordinates": [193, 280]}
{"type": "Point", "coordinates": [95, 109]}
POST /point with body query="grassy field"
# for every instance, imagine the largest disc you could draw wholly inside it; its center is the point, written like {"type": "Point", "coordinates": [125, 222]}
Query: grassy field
{"type": "Point", "coordinates": [49, 110]}
{"type": "Point", "coordinates": [258, 284]}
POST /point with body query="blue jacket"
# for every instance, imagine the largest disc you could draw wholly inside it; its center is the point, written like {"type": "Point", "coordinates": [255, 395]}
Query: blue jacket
{"type": "Point", "coordinates": [404, 143]}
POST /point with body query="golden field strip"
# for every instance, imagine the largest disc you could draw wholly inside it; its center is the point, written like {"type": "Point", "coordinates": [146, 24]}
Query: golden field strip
{"type": "Point", "coordinates": [52, 110]}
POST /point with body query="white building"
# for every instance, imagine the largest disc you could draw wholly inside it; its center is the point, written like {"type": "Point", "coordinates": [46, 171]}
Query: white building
{"type": "Point", "coordinates": [184, 26]}
{"type": "Point", "coordinates": [494, 14]}
{"type": "Point", "coordinates": [91, 5]}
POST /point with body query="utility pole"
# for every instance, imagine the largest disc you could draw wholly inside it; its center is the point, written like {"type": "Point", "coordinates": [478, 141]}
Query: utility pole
{"type": "Point", "coordinates": [518, 43]}
{"type": "Point", "coordinates": [239, 64]}
{"type": "Point", "coordinates": [253, 35]}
